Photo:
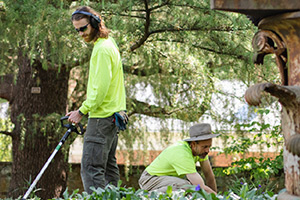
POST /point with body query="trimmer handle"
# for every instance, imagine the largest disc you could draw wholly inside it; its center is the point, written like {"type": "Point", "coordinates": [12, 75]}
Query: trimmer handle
{"type": "Point", "coordinates": [72, 126]}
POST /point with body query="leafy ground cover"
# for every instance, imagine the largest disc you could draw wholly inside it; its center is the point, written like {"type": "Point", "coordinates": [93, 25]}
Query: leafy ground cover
{"type": "Point", "coordinates": [245, 192]}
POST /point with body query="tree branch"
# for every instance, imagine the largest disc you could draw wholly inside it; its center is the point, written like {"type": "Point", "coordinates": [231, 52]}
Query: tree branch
{"type": "Point", "coordinates": [238, 56]}
{"type": "Point", "coordinates": [136, 16]}
{"type": "Point", "coordinates": [81, 62]}
{"type": "Point", "coordinates": [6, 86]}
{"type": "Point", "coordinates": [241, 57]}
{"type": "Point", "coordinates": [146, 109]}
{"type": "Point", "coordinates": [195, 28]}
{"type": "Point", "coordinates": [125, 15]}
{"type": "Point", "coordinates": [147, 27]}
{"type": "Point", "coordinates": [159, 6]}
{"type": "Point", "coordinates": [174, 29]}
{"type": "Point", "coordinates": [6, 133]}
{"type": "Point", "coordinates": [182, 113]}
{"type": "Point", "coordinates": [137, 70]}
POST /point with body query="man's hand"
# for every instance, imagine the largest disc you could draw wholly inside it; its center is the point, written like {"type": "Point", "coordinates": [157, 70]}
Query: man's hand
{"type": "Point", "coordinates": [196, 179]}
{"type": "Point", "coordinates": [74, 116]}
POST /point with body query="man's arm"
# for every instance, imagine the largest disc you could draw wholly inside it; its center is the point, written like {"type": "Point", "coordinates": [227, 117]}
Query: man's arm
{"type": "Point", "coordinates": [209, 175]}
{"type": "Point", "coordinates": [100, 76]}
{"type": "Point", "coordinates": [196, 179]}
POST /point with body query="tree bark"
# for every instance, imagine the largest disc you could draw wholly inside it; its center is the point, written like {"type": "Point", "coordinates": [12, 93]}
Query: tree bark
{"type": "Point", "coordinates": [6, 86]}
{"type": "Point", "coordinates": [38, 93]}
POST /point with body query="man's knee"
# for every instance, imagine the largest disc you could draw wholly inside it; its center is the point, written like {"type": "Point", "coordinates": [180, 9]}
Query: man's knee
{"type": "Point", "coordinates": [181, 185]}
{"type": "Point", "coordinates": [161, 183]}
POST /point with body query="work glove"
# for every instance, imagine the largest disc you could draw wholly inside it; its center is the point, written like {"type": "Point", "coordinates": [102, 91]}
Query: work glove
{"type": "Point", "coordinates": [121, 119]}
{"type": "Point", "coordinates": [124, 115]}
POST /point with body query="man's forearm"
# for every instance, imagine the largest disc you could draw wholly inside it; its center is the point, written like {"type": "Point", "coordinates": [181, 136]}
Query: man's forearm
{"type": "Point", "coordinates": [209, 175]}
{"type": "Point", "coordinates": [211, 182]}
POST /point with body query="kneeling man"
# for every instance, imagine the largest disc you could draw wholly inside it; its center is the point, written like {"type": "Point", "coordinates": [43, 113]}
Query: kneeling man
{"type": "Point", "coordinates": [176, 165]}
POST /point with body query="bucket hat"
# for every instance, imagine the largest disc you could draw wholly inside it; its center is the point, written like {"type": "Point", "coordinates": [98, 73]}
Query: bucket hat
{"type": "Point", "coordinates": [200, 131]}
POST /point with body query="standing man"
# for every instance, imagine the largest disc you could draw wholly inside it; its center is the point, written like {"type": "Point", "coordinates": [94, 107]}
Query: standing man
{"type": "Point", "coordinates": [105, 96]}
{"type": "Point", "coordinates": [176, 165]}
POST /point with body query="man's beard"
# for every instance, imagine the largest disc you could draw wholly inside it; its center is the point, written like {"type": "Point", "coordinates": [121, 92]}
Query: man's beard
{"type": "Point", "coordinates": [203, 155]}
{"type": "Point", "coordinates": [91, 36]}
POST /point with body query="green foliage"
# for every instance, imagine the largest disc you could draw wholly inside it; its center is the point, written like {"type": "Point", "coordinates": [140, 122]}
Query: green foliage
{"type": "Point", "coordinates": [180, 57]}
{"type": "Point", "coordinates": [5, 148]}
{"type": "Point", "coordinates": [255, 169]}
{"type": "Point", "coordinates": [110, 192]}
{"type": "Point", "coordinates": [177, 49]}
{"type": "Point", "coordinates": [255, 133]}
{"type": "Point", "coordinates": [2, 101]}
{"type": "Point", "coordinates": [39, 30]}
{"type": "Point", "coordinates": [5, 141]}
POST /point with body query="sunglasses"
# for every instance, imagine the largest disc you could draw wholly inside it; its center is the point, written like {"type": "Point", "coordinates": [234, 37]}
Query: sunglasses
{"type": "Point", "coordinates": [82, 29]}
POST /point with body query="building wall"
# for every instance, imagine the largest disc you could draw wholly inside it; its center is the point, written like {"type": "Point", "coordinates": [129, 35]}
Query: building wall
{"type": "Point", "coordinates": [139, 156]}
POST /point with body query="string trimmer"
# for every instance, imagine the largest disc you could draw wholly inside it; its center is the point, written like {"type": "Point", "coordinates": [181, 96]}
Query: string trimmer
{"type": "Point", "coordinates": [71, 128]}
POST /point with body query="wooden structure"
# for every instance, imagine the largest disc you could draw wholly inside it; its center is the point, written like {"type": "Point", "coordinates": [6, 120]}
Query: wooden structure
{"type": "Point", "coordinates": [279, 33]}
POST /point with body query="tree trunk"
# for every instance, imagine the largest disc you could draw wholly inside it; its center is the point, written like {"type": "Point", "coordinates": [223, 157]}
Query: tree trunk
{"type": "Point", "coordinates": [37, 94]}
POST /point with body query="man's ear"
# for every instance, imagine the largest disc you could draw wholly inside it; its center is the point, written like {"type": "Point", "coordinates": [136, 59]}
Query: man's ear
{"type": "Point", "coordinates": [192, 144]}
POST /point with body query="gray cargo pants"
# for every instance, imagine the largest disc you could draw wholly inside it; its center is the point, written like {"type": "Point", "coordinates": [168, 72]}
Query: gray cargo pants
{"type": "Point", "coordinates": [161, 183]}
{"type": "Point", "coordinates": [99, 164]}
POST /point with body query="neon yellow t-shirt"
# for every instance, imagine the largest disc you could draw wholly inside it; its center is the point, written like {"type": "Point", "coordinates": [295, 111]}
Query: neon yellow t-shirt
{"type": "Point", "coordinates": [176, 160]}
{"type": "Point", "coordinates": [105, 90]}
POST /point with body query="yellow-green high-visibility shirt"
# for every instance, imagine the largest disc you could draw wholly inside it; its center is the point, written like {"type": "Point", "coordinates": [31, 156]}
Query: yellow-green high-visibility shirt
{"type": "Point", "coordinates": [176, 160]}
{"type": "Point", "coordinates": [105, 90]}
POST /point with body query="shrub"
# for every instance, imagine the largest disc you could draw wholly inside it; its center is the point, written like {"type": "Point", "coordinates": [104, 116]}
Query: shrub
{"type": "Point", "coordinates": [121, 193]}
{"type": "Point", "coordinates": [255, 170]}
